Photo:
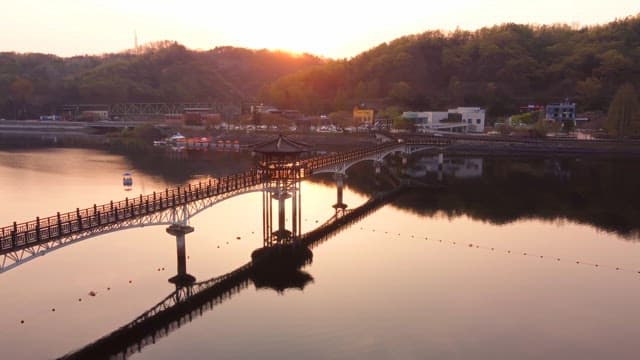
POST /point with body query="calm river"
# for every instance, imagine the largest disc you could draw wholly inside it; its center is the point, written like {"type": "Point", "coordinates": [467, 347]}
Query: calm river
{"type": "Point", "coordinates": [514, 258]}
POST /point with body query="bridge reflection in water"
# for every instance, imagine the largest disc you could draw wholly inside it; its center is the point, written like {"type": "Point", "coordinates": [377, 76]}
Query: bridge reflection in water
{"type": "Point", "coordinates": [277, 265]}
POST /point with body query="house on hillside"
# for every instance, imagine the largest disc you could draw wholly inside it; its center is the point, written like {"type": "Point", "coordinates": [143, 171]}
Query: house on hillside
{"type": "Point", "coordinates": [363, 116]}
{"type": "Point", "coordinates": [461, 119]}
{"type": "Point", "coordinates": [561, 111]}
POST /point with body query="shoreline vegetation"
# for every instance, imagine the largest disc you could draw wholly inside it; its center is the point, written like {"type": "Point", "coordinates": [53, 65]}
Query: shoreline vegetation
{"type": "Point", "coordinates": [140, 141]}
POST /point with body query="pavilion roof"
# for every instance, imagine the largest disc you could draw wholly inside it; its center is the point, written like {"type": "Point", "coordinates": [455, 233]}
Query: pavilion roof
{"type": "Point", "coordinates": [281, 145]}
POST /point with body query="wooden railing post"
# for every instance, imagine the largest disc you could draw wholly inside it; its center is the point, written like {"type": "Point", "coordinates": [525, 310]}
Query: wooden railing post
{"type": "Point", "coordinates": [59, 224]}
{"type": "Point", "coordinates": [79, 218]}
{"type": "Point", "coordinates": [14, 234]}
{"type": "Point", "coordinates": [37, 228]}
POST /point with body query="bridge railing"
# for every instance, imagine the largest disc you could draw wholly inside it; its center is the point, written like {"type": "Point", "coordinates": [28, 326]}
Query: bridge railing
{"type": "Point", "coordinates": [333, 159]}
{"type": "Point", "coordinates": [20, 235]}
{"type": "Point", "coordinates": [23, 235]}
{"type": "Point", "coordinates": [328, 160]}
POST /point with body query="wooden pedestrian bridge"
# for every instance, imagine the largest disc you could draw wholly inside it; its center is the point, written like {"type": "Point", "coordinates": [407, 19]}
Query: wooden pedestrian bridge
{"type": "Point", "coordinates": [21, 242]}
{"type": "Point", "coordinates": [190, 301]}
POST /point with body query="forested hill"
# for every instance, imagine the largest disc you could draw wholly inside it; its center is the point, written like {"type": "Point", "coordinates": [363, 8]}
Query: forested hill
{"type": "Point", "coordinates": [160, 72]}
{"type": "Point", "coordinates": [501, 68]}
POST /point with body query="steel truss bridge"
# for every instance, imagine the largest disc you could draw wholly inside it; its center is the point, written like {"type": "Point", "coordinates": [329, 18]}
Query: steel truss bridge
{"type": "Point", "coordinates": [150, 109]}
{"type": "Point", "coordinates": [21, 242]}
{"type": "Point", "coordinates": [191, 301]}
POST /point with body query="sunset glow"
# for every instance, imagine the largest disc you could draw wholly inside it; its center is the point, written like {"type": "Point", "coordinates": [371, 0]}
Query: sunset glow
{"type": "Point", "coordinates": [330, 28]}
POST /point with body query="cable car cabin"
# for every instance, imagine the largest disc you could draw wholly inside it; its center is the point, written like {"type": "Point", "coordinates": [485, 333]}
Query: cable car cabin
{"type": "Point", "coordinates": [127, 180]}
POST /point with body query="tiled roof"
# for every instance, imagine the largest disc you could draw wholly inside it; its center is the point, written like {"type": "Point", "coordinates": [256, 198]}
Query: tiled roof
{"type": "Point", "coordinates": [281, 145]}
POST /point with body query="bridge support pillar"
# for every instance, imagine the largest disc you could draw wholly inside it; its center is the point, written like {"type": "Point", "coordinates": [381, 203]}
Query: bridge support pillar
{"type": "Point", "coordinates": [281, 234]}
{"type": "Point", "coordinates": [182, 278]}
{"type": "Point", "coordinates": [440, 166]}
{"type": "Point", "coordinates": [378, 166]}
{"type": "Point", "coordinates": [339, 205]}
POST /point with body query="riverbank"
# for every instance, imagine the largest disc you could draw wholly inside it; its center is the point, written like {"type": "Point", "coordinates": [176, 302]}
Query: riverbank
{"type": "Point", "coordinates": [142, 141]}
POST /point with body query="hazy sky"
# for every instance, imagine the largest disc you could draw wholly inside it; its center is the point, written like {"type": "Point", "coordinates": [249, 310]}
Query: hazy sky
{"type": "Point", "coordinates": [330, 28]}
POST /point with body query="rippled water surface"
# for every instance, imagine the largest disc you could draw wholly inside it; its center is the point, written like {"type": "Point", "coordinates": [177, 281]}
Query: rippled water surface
{"type": "Point", "coordinates": [511, 259]}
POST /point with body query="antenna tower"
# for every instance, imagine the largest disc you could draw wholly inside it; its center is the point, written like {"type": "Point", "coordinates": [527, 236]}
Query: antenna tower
{"type": "Point", "coordinates": [135, 42]}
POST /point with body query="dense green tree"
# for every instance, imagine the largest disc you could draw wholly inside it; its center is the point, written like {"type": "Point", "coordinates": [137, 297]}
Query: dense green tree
{"type": "Point", "coordinates": [158, 72]}
{"type": "Point", "coordinates": [500, 68]}
{"type": "Point", "coordinates": [622, 117]}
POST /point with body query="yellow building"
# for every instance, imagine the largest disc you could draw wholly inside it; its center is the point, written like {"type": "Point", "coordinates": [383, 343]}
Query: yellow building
{"type": "Point", "coordinates": [363, 116]}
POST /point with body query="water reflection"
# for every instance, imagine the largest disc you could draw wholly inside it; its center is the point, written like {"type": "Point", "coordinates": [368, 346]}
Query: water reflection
{"type": "Point", "coordinates": [277, 266]}
{"type": "Point", "coordinates": [559, 298]}
{"type": "Point", "coordinates": [454, 167]}
{"type": "Point", "coordinates": [598, 191]}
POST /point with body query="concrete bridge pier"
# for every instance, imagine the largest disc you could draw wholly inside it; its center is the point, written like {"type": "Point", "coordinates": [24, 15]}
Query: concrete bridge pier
{"type": "Point", "coordinates": [339, 205]}
{"type": "Point", "coordinates": [440, 166]}
{"type": "Point", "coordinates": [378, 166]}
{"type": "Point", "coordinates": [182, 278]}
{"type": "Point", "coordinates": [405, 160]}
{"type": "Point", "coordinates": [281, 197]}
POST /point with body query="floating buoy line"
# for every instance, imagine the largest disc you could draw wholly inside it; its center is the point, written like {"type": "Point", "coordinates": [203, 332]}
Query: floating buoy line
{"type": "Point", "coordinates": [128, 282]}
{"type": "Point", "coordinates": [509, 251]}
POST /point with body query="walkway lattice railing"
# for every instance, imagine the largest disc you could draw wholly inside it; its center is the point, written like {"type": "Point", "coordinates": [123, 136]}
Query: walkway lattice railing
{"type": "Point", "coordinates": [21, 235]}
{"type": "Point", "coordinates": [333, 159]}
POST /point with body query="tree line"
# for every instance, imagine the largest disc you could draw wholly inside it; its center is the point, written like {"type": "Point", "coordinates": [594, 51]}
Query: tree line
{"type": "Point", "coordinates": [33, 84]}
{"type": "Point", "coordinates": [500, 68]}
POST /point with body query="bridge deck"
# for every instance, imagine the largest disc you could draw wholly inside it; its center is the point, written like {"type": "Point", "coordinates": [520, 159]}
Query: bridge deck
{"type": "Point", "coordinates": [18, 236]}
{"type": "Point", "coordinates": [187, 303]}
{"type": "Point", "coordinates": [42, 230]}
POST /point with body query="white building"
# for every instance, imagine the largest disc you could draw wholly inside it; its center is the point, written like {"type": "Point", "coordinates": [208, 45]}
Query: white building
{"type": "Point", "coordinates": [424, 120]}
{"type": "Point", "coordinates": [461, 119]}
{"type": "Point", "coordinates": [472, 116]}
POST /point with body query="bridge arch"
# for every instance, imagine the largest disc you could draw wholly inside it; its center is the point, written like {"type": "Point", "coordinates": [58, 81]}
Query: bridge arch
{"type": "Point", "coordinates": [179, 214]}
